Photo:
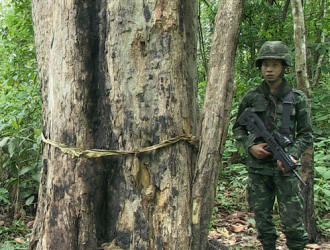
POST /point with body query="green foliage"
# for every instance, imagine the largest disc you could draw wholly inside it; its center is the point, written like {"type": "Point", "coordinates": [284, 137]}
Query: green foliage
{"type": "Point", "coordinates": [317, 26]}
{"type": "Point", "coordinates": [20, 107]}
{"type": "Point", "coordinates": [231, 189]}
{"type": "Point", "coordinates": [207, 13]}
{"type": "Point", "coordinates": [320, 103]}
{"type": "Point", "coordinates": [10, 233]}
{"type": "Point", "coordinates": [261, 22]}
{"type": "Point", "coordinates": [17, 42]}
{"type": "Point", "coordinates": [20, 157]}
{"type": "Point", "coordinates": [4, 196]}
{"type": "Point", "coordinates": [322, 178]}
{"type": "Point", "coordinates": [201, 94]}
{"type": "Point", "coordinates": [20, 121]}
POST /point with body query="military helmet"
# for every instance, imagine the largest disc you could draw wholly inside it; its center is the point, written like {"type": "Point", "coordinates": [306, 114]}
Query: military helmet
{"type": "Point", "coordinates": [274, 50]}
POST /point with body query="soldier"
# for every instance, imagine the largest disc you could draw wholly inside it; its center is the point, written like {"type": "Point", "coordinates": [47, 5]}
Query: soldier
{"type": "Point", "coordinates": [267, 179]}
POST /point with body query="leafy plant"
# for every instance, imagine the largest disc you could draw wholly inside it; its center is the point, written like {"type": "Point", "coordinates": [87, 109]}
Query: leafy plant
{"type": "Point", "coordinates": [4, 196]}
{"type": "Point", "coordinates": [231, 189]}
{"type": "Point", "coordinates": [13, 236]}
{"type": "Point", "coordinates": [21, 157]}
{"type": "Point", "coordinates": [320, 102]}
{"type": "Point", "coordinates": [201, 94]}
{"type": "Point", "coordinates": [322, 178]}
{"type": "Point", "coordinates": [20, 116]}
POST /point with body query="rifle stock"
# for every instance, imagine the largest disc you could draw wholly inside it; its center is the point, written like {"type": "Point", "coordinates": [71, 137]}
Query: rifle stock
{"type": "Point", "coordinates": [256, 126]}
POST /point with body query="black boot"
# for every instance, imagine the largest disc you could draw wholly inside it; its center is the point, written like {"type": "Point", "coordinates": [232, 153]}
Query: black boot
{"type": "Point", "coordinates": [271, 246]}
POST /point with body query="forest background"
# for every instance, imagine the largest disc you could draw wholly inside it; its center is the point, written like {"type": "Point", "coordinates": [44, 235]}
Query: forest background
{"type": "Point", "coordinates": [263, 20]}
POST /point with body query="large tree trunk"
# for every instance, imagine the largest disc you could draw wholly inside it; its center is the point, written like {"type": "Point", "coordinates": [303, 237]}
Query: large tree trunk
{"type": "Point", "coordinates": [303, 84]}
{"type": "Point", "coordinates": [122, 75]}
{"type": "Point", "coordinates": [117, 75]}
{"type": "Point", "coordinates": [215, 116]}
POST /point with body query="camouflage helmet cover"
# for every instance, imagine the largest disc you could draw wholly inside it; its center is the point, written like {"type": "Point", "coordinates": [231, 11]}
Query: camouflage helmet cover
{"type": "Point", "coordinates": [274, 50]}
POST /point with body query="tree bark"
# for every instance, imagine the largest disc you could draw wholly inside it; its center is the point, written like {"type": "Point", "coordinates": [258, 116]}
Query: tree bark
{"type": "Point", "coordinates": [122, 75]}
{"type": "Point", "coordinates": [117, 75]}
{"type": "Point", "coordinates": [215, 116]}
{"type": "Point", "coordinates": [303, 84]}
{"type": "Point", "coordinates": [285, 9]}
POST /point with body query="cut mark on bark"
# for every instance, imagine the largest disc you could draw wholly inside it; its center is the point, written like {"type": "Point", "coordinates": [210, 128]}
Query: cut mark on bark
{"type": "Point", "coordinates": [150, 192]}
{"type": "Point", "coordinates": [139, 46]}
{"type": "Point", "coordinates": [140, 173]}
{"type": "Point", "coordinates": [162, 197]}
{"type": "Point", "coordinates": [196, 211]}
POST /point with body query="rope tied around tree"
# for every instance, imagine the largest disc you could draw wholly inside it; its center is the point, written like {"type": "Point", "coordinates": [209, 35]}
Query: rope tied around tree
{"type": "Point", "coordinates": [95, 153]}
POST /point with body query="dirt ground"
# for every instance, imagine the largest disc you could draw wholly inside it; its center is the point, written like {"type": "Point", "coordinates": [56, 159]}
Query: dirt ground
{"type": "Point", "coordinates": [235, 230]}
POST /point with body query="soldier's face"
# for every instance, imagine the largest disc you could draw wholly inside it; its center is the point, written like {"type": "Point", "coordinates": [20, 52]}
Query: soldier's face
{"type": "Point", "coordinates": [271, 69]}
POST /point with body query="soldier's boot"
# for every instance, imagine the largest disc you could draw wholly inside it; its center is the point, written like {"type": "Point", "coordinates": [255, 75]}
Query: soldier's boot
{"type": "Point", "coordinates": [269, 246]}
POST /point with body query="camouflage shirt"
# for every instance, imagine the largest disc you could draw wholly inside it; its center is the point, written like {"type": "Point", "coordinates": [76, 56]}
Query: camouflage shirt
{"type": "Point", "coordinates": [269, 107]}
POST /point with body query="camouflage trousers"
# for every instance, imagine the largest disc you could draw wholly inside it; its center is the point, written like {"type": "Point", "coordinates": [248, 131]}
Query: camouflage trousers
{"type": "Point", "coordinates": [262, 190]}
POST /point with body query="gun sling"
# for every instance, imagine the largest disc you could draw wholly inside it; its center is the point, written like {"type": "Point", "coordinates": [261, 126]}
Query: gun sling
{"type": "Point", "coordinates": [287, 106]}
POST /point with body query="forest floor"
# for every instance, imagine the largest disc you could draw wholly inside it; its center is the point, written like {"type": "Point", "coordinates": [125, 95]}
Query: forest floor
{"type": "Point", "coordinates": [235, 230]}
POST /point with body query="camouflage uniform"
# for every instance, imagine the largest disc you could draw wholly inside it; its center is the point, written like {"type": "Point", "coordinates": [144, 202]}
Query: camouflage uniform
{"type": "Point", "coordinates": [266, 181]}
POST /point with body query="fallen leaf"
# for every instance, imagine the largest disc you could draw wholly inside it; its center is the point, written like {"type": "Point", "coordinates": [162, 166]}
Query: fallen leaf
{"type": "Point", "coordinates": [231, 241]}
{"type": "Point", "coordinates": [313, 246]}
{"type": "Point", "coordinates": [243, 222]}
{"type": "Point", "coordinates": [223, 232]}
{"type": "Point", "coordinates": [214, 235]}
{"type": "Point", "coordinates": [239, 238]}
{"type": "Point", "coordinates": [237, 229]}
{"type": "Point", "coordinates": [19, 240]}
{"type": "Point", "coordinates": [236, 215]}
{"type": "Point", "coordinates": [282, 236]}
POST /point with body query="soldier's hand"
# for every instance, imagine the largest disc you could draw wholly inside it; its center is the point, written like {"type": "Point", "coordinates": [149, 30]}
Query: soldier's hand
{"type": "Point", "coordinates": [258, 151]}
{"type": "Point", "coordinates": [280, 164]}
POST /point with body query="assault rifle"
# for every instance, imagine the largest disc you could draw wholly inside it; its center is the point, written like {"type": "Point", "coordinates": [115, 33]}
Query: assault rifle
{"type": "Point", "coordinates": [275, 140]}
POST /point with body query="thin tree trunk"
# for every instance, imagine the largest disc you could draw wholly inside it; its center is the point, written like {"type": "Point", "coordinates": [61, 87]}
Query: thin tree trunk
{"type": "Point", "coordinates": [300, 46]}
{"type": "Point", "coordinates": [319, 59]}
{"type": "Point", "coordinates": [303, 84]}
{"type": "Point", "coordinates": [215, 116]}
{"type": "Point", "coordinates": [285, 9]}
{"type": "Point", "coordinates": [201, 43]}
{"type": "Point", "coordinates": [318, 69]}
